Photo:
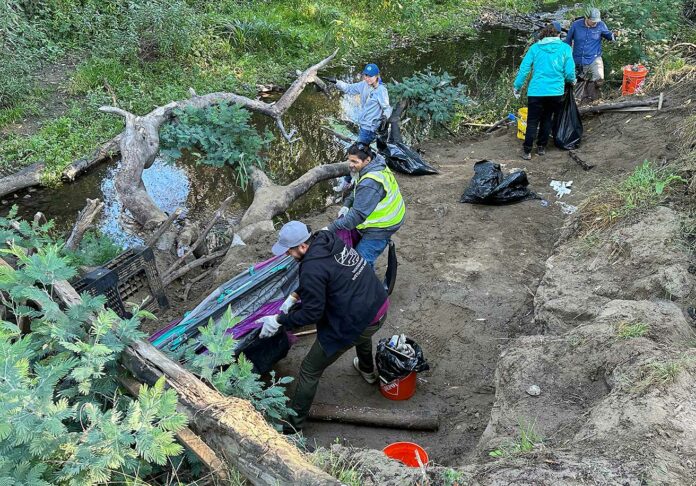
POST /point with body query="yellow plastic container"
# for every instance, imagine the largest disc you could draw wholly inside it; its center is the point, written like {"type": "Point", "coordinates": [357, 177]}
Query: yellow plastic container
{"type": "Point", "coordinates": [521, 123]}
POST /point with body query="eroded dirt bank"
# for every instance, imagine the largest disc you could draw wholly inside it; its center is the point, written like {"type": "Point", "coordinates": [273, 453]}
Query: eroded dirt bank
{"type": "Point", "coordinates": [606, 338]}
{"type": "Point", "coordinates": [467, 275]}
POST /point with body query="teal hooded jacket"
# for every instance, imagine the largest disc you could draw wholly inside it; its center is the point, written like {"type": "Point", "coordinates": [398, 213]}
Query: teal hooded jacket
{"type": "Point", "coordinates": [551, 63]}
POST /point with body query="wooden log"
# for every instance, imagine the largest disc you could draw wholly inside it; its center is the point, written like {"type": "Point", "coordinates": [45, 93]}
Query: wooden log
{"type": "Point", "coordinates": [230, 426]}
{"type": "Point", "coordinates": [376, 417]}
{"type": "Point", "coordinates": [85, 218]}
{"type": "Point", "coordinates": [187, 438]}
{"type": "Point", "coordinates": [603, 107]}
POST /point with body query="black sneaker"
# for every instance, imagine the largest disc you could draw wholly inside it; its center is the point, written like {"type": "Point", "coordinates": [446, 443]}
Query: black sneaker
{"type": "Point", "coordinates": [541, 150]}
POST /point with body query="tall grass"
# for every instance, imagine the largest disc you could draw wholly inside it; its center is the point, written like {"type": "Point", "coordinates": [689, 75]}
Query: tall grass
{"type": "Point", "coordinates": [647, 187]}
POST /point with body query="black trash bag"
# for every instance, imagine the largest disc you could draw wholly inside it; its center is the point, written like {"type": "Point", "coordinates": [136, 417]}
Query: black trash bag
{"type": "Point", "coordinates": [263, 353]}
{"type": "Point", "coordinates": [402, 159]}
{"type": "Point", "coordinates": [567, 131]}
{"type": "Point", "coordinates": [392, 365]}
{"type": "Point", "coordinates": [490, 186]}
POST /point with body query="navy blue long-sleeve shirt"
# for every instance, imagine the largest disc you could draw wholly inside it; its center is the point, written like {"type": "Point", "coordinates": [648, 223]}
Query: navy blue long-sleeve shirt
{"type": "Point", "coordinates": [587, 41]}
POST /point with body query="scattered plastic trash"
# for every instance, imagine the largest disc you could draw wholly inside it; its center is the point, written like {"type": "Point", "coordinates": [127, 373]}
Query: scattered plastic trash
{"type": "Point", "coordinates": [561, 187]}
{"type": "Point", "coordinates": [567, 131]}
{"type": "Point", "coordinates": [544, 203]}
{"type": "Point", "coordinates": [567, 208]}
{"type": "Point", "coordinates": [534, 391]}
{"type": "Point", "coordinates": [490, 186]}
{"type": "Point", "coordinates": [237, 240]}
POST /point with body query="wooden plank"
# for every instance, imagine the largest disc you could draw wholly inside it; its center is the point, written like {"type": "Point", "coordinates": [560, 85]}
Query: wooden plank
{"type": "Point", "coordinates": [376, 417]}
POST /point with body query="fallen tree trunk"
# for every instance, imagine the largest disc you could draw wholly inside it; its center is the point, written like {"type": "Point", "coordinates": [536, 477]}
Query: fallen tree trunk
{"type": "Point", "coordinates": [271, 199]}
{"type": "Point", "coordinates": [140, 139]}
{"type": "Point", "coordinates": [229, 426]}
{"type": "Point", "coordinates": [32, 175]}
{"type": "Point", "coordinates": [26, 177]}
{"type": "Point", "coordinates": [376, 417]}
{"type": "Point", "coordinates": [603, 107]}
{"type": "Point", "coordinates": [188, 439]}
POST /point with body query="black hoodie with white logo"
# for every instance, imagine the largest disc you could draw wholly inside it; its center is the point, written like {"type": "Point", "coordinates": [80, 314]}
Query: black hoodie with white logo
{"type": "Point", "coordinates": [338, 291]}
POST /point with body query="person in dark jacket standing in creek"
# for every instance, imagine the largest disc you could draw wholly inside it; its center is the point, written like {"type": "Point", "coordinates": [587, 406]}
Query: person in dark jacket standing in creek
{"type": "Point", "coordinates": [339, 293]}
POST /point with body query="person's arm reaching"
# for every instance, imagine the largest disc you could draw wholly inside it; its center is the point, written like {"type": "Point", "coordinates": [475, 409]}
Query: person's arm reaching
{"type": "Point", "coordinates": [313, 295]}
{"type": "Point", "coordinates": [571, 33]}
{"type": "Point", "coordinates": [525, 67]}
{"type": "Point", "coordinates": [350, 88]}
{"type": "Point", "coordinates": [569, 68]}
{"type": "Point", "coordinates": [367, 196]}
{"type": "Point", "coordinates": [607, 34]}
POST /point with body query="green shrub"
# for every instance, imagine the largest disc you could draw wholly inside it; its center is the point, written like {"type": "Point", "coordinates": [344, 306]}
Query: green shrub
{"type": "Point", "coordinates": [62, 418]}
{"type": "Point", "coordinates": [235, 377]}
{"type": "Point", "coordinates": [94, 249]}
{"type": "Point", "coordinates": [433, 99]}
{"type": "Point", "coordinates": [221, 132]}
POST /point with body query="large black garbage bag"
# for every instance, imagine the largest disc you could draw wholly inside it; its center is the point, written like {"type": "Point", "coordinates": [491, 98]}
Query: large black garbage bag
{"type": "Point", "coordinates": [568, 126]}
{"type": "Point", "coordinates": [263, 353]}
{"type": "Point", "coordinates": [392, 365]}
{"type": "Point", "coordinates": [490, 186]}
{"type": "Point", "coordinates": [403, 159]}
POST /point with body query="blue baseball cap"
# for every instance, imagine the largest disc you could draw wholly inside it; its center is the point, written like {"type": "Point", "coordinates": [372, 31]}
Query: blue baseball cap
{"type": "Point", "coordinates": [556, 25]}
{"type": "Point", "coordinates": [371, 70]}
{"type": "Point", "coordinates": [292, 234]}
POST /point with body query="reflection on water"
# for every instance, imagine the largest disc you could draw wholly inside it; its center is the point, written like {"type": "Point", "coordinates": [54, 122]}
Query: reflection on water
{"type": "Point", "coordinates": [199, 189]}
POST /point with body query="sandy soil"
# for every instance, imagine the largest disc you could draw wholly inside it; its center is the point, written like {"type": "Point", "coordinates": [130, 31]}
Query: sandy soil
{"type": "Point", "coordinates": [467, 275]}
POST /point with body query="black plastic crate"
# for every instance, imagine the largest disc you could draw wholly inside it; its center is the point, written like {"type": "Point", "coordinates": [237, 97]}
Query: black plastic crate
{"type": "Point", "coordinates": [130, 273]}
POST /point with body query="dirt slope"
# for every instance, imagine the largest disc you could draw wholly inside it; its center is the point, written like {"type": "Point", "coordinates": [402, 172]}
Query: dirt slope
{"type": "Point", "coordinates": [467, 275]}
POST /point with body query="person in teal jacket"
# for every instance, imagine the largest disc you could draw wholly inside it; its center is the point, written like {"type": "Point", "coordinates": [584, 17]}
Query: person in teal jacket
{"type": "Point", "coordinates": [551, 64]}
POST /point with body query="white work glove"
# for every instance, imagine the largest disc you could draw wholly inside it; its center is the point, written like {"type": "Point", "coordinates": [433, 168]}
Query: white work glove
{"type": "Point", "coordinates": [270, 326]}
{"type": "Point", "coordinates": [516, 94]}
{"type": "Point", "coordinates": [343, 211]}
{"type": "Point", "coordinates": [287, 303]}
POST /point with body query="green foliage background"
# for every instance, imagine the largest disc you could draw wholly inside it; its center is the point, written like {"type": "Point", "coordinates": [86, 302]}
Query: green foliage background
{"type": "Point", "coordinates": [146, 53]}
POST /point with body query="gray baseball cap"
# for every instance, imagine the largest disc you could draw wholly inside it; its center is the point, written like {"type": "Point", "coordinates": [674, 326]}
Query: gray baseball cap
{"type": "Point", "coordinates": [593, 14]}
{"type": "Point", "coordinates": [292, 234]}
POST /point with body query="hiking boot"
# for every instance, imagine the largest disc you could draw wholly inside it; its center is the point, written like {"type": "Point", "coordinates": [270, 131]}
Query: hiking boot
{"type": "Point", "coordinates": [370, 377]}
{"type": "Point", "coordinates": [526, 156]}
{"type": "Point", "coordinates": [541, 150]}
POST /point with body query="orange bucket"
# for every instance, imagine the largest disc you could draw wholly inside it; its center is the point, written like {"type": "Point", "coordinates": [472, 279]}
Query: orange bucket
{"type": "Point", "coordinates": [399, 389]}
{"type": "Point", "coordinates": [633, 78]}
{"type": "Point", "coordinates": [406, 452]}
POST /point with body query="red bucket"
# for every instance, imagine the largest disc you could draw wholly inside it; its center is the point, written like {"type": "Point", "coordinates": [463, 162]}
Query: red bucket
{"type": "Point", "coordinates": [406, 452]}
{"type": "Point", "coordinates": [633, 78]}
{"type": "Point", "coordinates": [399, 389]}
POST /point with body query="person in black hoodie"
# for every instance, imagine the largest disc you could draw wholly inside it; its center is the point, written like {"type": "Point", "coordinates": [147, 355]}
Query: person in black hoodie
{"type": "Point", "coordinates": [339, 293]}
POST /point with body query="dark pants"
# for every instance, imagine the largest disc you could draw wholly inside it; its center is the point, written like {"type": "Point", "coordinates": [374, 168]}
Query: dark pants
{"type": "Point", "coordinates": [541, 112]}
{"type": "Point", "coordinates": [317, 361]}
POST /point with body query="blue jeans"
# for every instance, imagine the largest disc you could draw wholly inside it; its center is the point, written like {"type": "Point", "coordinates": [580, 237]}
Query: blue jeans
{"type": "Point", "coordinates": [370, 250]}
{"type": "Point", "coordinates": [366, 136]}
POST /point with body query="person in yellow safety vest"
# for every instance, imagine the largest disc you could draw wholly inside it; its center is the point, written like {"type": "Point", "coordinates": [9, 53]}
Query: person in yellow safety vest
{"type": "Point", "coordinates": [375, 208]}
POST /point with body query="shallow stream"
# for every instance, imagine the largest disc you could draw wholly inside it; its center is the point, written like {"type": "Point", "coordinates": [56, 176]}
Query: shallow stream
{"type": "Point", "coordinates": [199, 189]}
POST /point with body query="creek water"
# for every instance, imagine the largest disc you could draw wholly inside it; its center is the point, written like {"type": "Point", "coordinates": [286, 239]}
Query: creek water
{"type": "Point", "coordinates": [199, 189]}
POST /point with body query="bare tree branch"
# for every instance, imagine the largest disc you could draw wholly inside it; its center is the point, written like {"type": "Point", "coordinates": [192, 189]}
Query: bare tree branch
{"type": "Point", "coordinates": [85, 218]}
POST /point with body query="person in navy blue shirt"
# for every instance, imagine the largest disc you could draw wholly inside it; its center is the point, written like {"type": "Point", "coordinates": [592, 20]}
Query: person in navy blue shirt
{"type": "Point", "coordinates": [585, 37]}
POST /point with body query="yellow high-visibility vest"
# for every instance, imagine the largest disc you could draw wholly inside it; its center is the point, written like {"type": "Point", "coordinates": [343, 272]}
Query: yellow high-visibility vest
{"type": "Point", "coordinates": [391, 209]}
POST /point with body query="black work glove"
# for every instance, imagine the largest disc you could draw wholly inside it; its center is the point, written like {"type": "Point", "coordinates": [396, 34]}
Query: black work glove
{"type": "Point", "coordinates": [329, 79]}
{"type": "Point", "coordinates": [383, 124]}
